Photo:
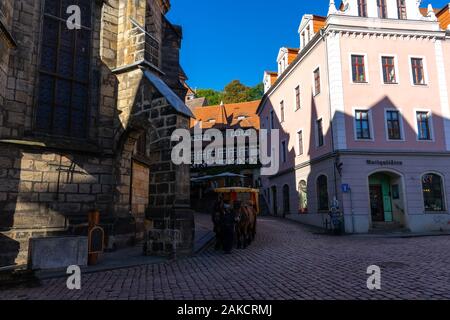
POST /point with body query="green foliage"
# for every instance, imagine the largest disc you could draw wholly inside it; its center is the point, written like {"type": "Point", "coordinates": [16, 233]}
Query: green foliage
{"type": "Point", "coordinates": [214, 97]}
{"type": "Point", "coordinates": [256, 92]}
{"type": "Point", "coordinates": [234, 92]}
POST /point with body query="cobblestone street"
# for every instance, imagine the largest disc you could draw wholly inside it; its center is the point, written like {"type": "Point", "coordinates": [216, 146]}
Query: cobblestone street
{"type": "Point", "coordinates": [286, 262]}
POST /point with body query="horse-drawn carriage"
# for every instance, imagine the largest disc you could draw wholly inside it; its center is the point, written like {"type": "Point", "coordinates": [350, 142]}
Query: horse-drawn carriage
{"type": "Point", "coordinates": [235, 212]}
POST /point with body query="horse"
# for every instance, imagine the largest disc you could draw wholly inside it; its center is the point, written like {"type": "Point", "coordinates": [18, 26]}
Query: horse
{"type": "Point", "coordinates": [245, 225]}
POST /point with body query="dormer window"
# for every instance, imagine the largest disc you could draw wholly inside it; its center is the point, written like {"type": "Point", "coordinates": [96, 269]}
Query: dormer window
{"type": "Point", "coordinates": [303, 39]}
{"type": "Point", "coordinates": [362, 8]}
{"type": "Point", "coordinates": [242, 117]}
{"type": "Point", "coordinates": [382, 9]}
{"type": "Point", "coordinates": [401, 4]}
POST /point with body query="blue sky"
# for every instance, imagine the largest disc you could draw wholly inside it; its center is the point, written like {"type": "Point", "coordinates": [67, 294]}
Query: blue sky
{"type": "Point", "coordinates": [226, 40]}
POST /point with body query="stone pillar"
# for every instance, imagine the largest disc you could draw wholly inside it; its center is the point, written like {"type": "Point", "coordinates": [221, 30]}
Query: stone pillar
{"type": "Point", "coordinates": [173, 220]}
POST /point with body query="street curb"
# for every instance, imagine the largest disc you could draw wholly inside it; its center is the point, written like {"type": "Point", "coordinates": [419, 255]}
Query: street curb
{"type": "Point", "coordinates": [206, 242]}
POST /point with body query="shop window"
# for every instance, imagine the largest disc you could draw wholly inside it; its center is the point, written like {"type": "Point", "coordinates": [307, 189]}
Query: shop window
{"type": "Point", "coordinates": [433, 192]}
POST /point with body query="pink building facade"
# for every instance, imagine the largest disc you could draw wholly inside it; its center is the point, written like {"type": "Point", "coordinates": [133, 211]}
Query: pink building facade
{"type": "Point", "coordinates": [364, 119]}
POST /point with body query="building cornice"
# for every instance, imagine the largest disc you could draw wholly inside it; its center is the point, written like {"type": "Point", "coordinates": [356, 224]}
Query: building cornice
{"type": "Point", "coordinates": [380, 31]}
{"type": "Point", "coordinates": [362, 153]}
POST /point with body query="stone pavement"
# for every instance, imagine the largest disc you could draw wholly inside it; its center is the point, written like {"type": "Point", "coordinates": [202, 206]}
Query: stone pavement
{"type": "Point", "coordinates": [133, 256]}
{"type": "Point", "coordinates": [287, 261]}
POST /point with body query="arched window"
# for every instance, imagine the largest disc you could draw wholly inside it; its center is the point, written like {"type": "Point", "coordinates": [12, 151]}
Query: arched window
{"type": "Point", "coordinates": [63, 97]}
{"type": "Point", "coordinates": [302, 197]}
{"type": "Point", "coordinates": [322, 193]}
{"type": "Point", "coordinates": [286, 200]}
{"type": "Point", "coordinates": [433, 192]}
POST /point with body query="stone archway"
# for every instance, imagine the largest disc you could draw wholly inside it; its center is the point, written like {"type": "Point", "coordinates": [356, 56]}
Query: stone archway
{"type": "Point", "coordinates": [129, 223]}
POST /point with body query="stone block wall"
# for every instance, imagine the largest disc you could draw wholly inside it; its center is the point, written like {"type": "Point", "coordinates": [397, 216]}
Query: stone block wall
{"type": "Point", "coordinates": [48, 193]}
{"type": "Point", "coordinates": [48, 184]}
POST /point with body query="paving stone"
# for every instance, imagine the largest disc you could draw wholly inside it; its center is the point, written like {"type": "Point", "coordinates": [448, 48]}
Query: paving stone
{"type": "Point", "coordinates": [286, 261]}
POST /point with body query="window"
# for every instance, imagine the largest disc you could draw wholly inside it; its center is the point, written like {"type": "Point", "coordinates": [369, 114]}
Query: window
{"type": "Point", "coordinates": [362, 125]}
{"type": "Point", "coordinates": [272, 120]}
{"type": "Point", "coordinates": [141, 145]}
{"type": "Point", "coordinates": [423, 125]}
{"type": "Point", "coordinates": [303, 39]}
{"type": "Point", "coordinates": [284, 151]}
{"type": "Point", "coordinates": [322, 193]}
{"type": "Point", "coordinates": [282, 111]}
{"type": "Point", "coordinates": [308, 32]}
{"type": "Point", "coordinates": [320, 139]}
{"type": "Point", "coordinates": [63, 97]}
{"type": "Point", "coordinates": [300, 142]}
{"type": "Point", "coordinates": [433, 192]}
{"type": "Point", "coordinates": [401, 5]}
{"type": "Point", "coordinates": [362, 8]}
{"type": "Point", "coordinates": [393, 125]}
{"type": "Point", "coordinates": [317, 81]}
{"type": "Point", "coordinates": [302, 197]}
{"type": "Point", "coordinates": [358, 69]}
{"type": "Point", "coordinates": [418, 73]}
{"type": "Point", "coordinates": [382, 9]}
{"type": "Point", "coordinates": [389, 75]}
{"type": "Point", "coordinates": [297, 98]}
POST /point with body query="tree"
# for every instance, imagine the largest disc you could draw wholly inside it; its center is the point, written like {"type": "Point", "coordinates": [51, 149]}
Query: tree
{"type": "Point", "coordinates": [214, 97]}
{"type": "Point", "coordinates": [234, 92]}
{"type": "Point", "coordinates": [257, 92]}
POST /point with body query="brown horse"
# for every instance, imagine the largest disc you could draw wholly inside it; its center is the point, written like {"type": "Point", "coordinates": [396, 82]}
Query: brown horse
{"type": "Point", "coordinates": [246, 225]}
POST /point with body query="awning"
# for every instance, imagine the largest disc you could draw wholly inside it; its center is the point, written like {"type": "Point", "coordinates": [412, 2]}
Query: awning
{"type": "Point", "coordinates": [229, 175]}
{"type": "Point", "coordinates": [171, 97]}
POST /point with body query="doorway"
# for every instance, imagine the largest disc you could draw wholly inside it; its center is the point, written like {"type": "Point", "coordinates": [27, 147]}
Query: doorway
{"type": "Point", "coordinates": [286, 201]}
{"type": "Point", "coordinates": [387, 209]}
{"type": "Point", "coordinates": [274, 201]}
{"type": "Point", "coordinates": [376, 203]}
{"type": "Point", "coordinates": [140, 185]}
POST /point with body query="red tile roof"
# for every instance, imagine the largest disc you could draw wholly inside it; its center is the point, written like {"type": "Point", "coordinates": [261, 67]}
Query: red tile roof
{"type": "Point", "coordinates": [228, 116]}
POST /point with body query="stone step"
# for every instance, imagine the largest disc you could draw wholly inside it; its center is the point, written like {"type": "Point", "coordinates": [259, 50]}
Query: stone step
{"type": "Point", "coordinates": [387, 225]}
